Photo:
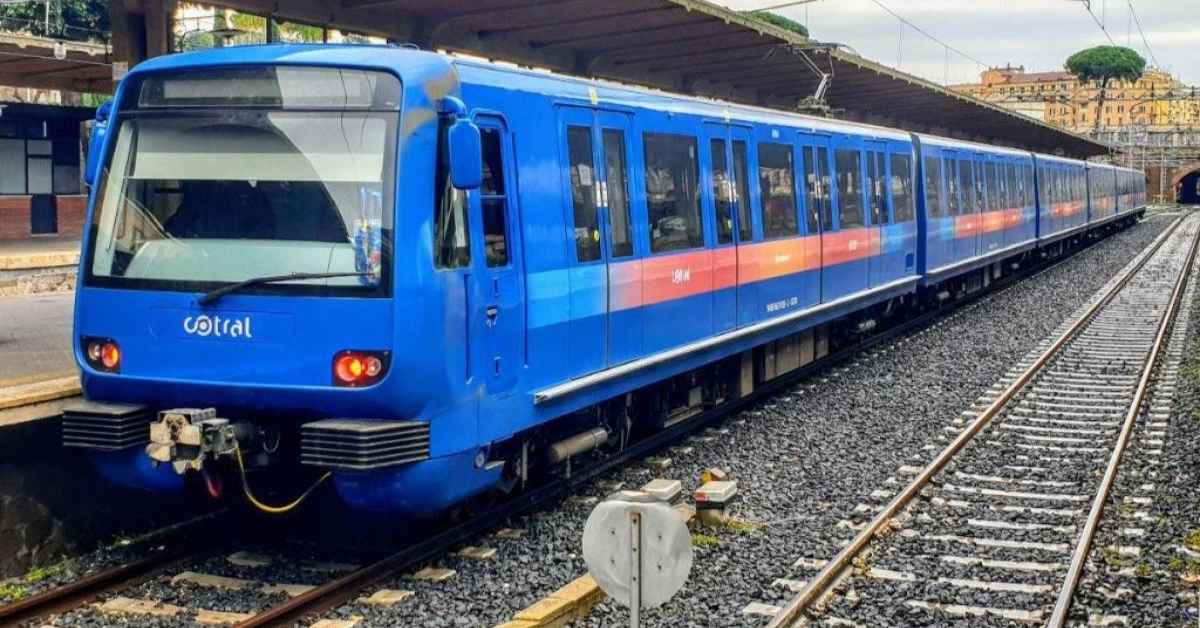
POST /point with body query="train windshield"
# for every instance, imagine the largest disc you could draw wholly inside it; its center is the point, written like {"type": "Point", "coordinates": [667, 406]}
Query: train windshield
{"type": "Point", "coordinates": [216, 177]}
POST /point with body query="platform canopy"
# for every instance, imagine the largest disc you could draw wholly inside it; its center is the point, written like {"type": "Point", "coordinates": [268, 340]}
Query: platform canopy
{"type": "Point", "coordinates": [689, 46]}
{"type": "Point", "coordinates": [43, 63]}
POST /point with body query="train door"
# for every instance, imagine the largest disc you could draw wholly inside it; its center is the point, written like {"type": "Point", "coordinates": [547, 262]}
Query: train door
{"type": "Point", "coordinates": [723, 198]}
{"type": "Point", "coordinates": [740, 167]}
{"type": "Point", "coordinates": [613, 157]}
{"type": "Point", "coordinates": [845, 248]}
{"type": "Point", "coordinates": [605, 277]}
{"type": "Point", "coordinates": [587, 272]}
{"type": "Point", "coordinates": [498, 301]}
{"type": "Point", "coordinates": [818, 208]}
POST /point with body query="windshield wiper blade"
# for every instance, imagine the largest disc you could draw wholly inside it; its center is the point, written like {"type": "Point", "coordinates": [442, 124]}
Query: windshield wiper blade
{"type": "Point", "coordinates": [213, 296]}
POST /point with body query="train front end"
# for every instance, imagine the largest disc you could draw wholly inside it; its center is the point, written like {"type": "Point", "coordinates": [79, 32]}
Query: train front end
{"type": "Point", "coordinates": [239, 293]}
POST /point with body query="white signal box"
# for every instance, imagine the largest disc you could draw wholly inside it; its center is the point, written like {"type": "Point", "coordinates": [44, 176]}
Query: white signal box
{"type": "Point", "coordinates": [715, 495]}
{"type": "Point", "coordinates": [664, 490]}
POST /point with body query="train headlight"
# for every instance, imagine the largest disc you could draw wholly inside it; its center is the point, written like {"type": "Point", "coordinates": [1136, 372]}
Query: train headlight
{"type": "Point", "coordinates": [359, 368]}
{"type": "Point", "coordinates": [102, 354]}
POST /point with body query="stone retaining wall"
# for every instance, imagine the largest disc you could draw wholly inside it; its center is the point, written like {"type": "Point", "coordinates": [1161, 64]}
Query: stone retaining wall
{"type": "Point", "coordinates": [52, 504]}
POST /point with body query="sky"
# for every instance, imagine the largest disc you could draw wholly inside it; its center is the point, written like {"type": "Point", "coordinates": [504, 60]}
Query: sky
{"type": "Point", "coordinates": [1038, 34]}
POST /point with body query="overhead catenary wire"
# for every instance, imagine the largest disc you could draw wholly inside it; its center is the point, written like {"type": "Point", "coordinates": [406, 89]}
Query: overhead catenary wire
{"type": "Point", "coordinates": [1145, 40]}
{"type": "Point", "coordinates": [926, 33]}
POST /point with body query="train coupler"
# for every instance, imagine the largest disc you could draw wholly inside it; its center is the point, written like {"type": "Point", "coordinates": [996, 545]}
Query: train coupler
{"type": "Point", "coordinates": [187, 437]}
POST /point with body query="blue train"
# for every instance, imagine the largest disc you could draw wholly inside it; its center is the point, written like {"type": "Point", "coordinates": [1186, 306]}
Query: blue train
{"type": "Point", "coordinates": [433, 277]}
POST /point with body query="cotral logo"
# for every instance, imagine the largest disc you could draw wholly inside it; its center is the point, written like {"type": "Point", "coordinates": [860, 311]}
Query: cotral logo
{"type": "Point", "coordinates": [216, 327]}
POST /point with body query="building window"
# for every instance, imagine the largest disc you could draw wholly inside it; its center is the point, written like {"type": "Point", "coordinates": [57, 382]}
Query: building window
{"type": "Point", "coordinates": [39, 156]}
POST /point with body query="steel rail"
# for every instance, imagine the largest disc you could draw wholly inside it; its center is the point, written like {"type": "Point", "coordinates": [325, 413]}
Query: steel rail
{"type": "Point", "coordinates": [1079, 557]}
{"type": "Point", "coordinates": [829, 574]}
{"type": "Point", "coordinates": [84, 590]}
{"type": "Point", "coordinates": [337, 592]}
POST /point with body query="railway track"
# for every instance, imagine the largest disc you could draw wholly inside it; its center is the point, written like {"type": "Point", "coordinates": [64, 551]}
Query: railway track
{"type": "Point", "coordinates": [999, 526]}
{"type": "Point", "coordinates": [308, 602]}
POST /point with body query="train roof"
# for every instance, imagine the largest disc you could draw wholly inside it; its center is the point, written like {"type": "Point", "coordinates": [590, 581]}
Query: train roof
{"type": "Point", "coordinates": [619, 94]}
{"type": "Point", "coordinates": [946, 142]}
{"type": "Point", "coordinates": [408, 62]}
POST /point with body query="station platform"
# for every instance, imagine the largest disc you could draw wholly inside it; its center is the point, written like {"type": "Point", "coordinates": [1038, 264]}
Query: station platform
{"type": "Point", "coordinates": [38, 264]}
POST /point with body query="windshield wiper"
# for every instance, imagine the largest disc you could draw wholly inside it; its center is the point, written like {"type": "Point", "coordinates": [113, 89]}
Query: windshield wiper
{"type": "Point", "coordinates": [213, 296]}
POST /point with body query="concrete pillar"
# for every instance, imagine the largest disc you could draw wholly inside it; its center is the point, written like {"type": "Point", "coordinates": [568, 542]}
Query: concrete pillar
{"type": "Point", "coordinates": [128, 32]}
{"type": "Point", "coordinates": [140, 29]}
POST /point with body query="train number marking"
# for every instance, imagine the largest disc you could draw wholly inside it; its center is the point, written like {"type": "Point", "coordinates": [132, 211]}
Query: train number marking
{"type": "Point", "coordinates": [680, 276]}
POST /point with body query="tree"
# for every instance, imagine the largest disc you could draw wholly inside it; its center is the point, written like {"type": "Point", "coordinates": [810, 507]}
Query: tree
{"type": "Point", "coordinates": [80, 20]}
{"type": "Point", "coordinates": [1103, 64]}
{"type": "Point", "coordinates": [780, 21]}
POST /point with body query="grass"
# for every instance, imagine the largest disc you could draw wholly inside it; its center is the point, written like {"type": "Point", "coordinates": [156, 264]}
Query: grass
{"type": "Point", "coordinates": [1142, 570]}
{"type": "Point", "coordinates": [16, 589]}
{"type": "Point", "coordinates": [1192, 540]}
{"type": "Point", "coordinates": [12, 591]}
{"type": "Point", "coordinates": [704, 540]}
{"type": "Point", "coordinates": [1113, 558]}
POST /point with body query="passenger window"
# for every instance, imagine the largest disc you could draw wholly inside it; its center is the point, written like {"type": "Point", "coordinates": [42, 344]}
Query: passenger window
{"type": "Point", "coordinates": [583, 193]}
{"type": "Point", "coordinates": [672, 198]}
{"type": "Point", "coordinates": [966, 187]}
{"type": "Point", "coordinates": [980, 188]}
{"type": "Point", "coordinates": [875, 176]}
{"type": "Point", "coordinates": [722, 192]}
{"type": "Point", "coordinates": [993, 187]}
{"type": "Point", "coordinates": [493, 202]}
{"type": "Point", "coordinates": [741, 172]}
{"type": "Point", "coordinates": [933, 187]}
{"type": "Point", "coordinates": [850, 201]}
{"type": "Point", "coordinates": [777, 187]}
{"type": "Point", "coordinates": [451, 237]}
{"type": "Point", "coordinates": [952, 192]}
{"type": "Point", "coordinates": [815, 196]}
{"type": "Point", "coordinates": [826, 179]}
{"type": "Point", "coordinates": [902, 194]}
{"type": "Point", "coordinates": [617, 176]}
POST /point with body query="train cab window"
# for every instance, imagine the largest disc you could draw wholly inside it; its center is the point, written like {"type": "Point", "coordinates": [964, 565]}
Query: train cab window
{"type": "Point", "coordinates": [875, 194]}
{"type": "Point", "coordinates": [777, 187]}
{"type": "Point", "coordinates": [722, 191]}
{"type": "Point", "coordinates": [849, 182]}
{"type": "Point", "coordinates": [583, 193]}
{"type": "Point", "coordinates": [740, 173]}
{"type": "Point", "coordinates": [902, 193]}
{"type": "Point", "coordinates": [672, 192]}
{"type": "Point", "coordinates": [616, 175]}
{"type": "Point", "coordinates": [493, 202]}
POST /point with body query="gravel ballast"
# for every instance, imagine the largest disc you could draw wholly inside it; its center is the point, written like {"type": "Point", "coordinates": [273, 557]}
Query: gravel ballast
{"type": "Point", "coordinates": [803, 460]}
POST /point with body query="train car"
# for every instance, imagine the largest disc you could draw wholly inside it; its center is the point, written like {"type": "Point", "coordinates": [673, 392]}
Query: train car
{"type": "Point", "coordinates": [1062, 199]}
{"type": "Point", "coordinates": [1101, 193]}
{"type": "Point", "coordinates": [435, 276]}
{"type": "Point", "coordinates": [979, 205]}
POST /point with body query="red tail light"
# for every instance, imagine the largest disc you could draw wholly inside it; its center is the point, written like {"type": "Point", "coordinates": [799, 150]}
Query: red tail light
{"type": "Point", "coordinates": [102, 354]}
{"type": "Point", "coordinates": [359, 368]}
